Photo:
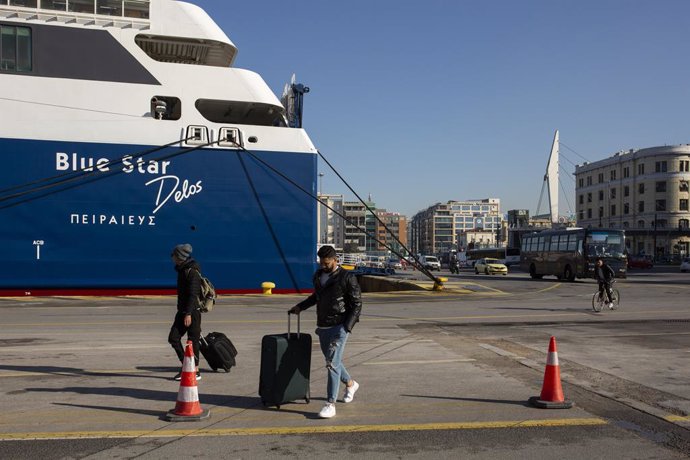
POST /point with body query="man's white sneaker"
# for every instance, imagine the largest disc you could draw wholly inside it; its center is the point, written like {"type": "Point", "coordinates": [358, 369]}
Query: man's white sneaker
{"type": "Point", "coordinates": [327, 411]}
{"type": "Point", "coordinates": [350, 392]}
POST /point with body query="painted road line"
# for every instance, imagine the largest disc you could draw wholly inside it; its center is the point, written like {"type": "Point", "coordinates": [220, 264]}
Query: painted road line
{"type": "Point", "coordinates": [678, 418]}
{"type": "Point", "coordinates": [438, 361]}
{"type": "Point", "coordinates": [320, 429]}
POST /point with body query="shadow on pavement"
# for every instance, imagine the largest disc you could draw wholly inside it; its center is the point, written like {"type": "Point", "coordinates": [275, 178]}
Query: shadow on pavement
{"type": "Point", "coordinates": [238, 402]}
{"type": "Point", "coordinates": [75, 371]}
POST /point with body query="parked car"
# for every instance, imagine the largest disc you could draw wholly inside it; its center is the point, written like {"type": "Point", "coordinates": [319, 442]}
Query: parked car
{"type": "Point", "coordinates": [490, 267]}
{"type": "Point", "coordinates": [430, 262]}
{"type": "Point", "coordinates": [394, 264]}
{"type": "Point", "coordinates": [639, 262]}
{"type": "Point", "coordinates": [685, 264]}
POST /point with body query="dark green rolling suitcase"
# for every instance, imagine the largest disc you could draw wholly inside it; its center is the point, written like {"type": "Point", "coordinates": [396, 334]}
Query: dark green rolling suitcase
{"type": "Point", "coordinates": [285, 367]}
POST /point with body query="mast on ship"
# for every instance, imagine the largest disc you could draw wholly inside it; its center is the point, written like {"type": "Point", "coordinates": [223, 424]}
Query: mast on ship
{"type": "Point", "coordinates": [293, 101]}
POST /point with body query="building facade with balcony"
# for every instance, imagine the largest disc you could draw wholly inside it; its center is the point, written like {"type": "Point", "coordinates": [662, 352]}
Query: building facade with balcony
{"type": "Point", "coordinates": [395, 237]}
{"type": "Point", "coordinates": [355, 226]}
{"type": "Point", "coordinates": [436, 229]}
{"type": "Point", "coordinates": [645, 192]}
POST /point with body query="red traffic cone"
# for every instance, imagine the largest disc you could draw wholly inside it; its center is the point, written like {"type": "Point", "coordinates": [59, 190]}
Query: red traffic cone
{"type": "Point", "coordinates": [551, 391]}
{"type": "Point", "coordinates": [188, 408]}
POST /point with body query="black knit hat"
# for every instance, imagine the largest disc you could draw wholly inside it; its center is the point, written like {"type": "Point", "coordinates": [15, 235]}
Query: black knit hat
{"type": "Point", "coordinates": [182, 251]}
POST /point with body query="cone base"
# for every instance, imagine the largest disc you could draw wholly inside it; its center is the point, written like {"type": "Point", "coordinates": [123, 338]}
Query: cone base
{"type": "Point", "coordinates": [171, 416]}
{"type": "Point", "coordinates": [536, 402]}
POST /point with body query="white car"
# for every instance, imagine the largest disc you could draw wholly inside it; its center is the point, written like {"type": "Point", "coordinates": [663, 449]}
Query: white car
{"type": "Point", "coordinates": [430, 262]}
{"type": "Point", "coordinates": [685, 264]}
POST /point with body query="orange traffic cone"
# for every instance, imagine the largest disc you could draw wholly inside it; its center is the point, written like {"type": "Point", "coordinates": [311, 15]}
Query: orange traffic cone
{"type": "Point", "coordinates": [551, 392]}
{"type": "Point", "coordinates": [187, 408]}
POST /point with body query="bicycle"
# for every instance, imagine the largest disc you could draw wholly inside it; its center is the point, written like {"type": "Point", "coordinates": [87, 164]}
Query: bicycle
{"type": "Point", "coordinates": [599, 298]}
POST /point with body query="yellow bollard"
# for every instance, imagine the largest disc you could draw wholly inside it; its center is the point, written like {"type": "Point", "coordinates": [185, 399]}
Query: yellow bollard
{"type": "Point", "coordinates": [267, 286]}
{"type": "Point", "coordinates": [438, 284]}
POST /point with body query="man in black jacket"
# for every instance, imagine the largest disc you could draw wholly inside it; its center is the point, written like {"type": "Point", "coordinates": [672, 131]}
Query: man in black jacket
{"type": "Point", "coordinates": [338, 301]}
{"type": "Point", "coordinates": [188, 316]}
{"type": "Point", "coordinates": [604, 274]}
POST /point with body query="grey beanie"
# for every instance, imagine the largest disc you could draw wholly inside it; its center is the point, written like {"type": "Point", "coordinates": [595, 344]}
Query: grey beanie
{"type": "Point", "coordinates": [182, 251]}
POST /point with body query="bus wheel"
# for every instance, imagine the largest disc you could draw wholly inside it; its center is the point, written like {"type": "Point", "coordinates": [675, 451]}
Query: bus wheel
{"type": "Point", "coordinates": [568, 274]}
{"type": "Point", "coordinates": [533, 272]}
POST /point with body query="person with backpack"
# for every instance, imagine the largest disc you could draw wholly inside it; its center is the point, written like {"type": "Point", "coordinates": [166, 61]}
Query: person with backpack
{"type": "Point", "coordinates": [338, 300]}
{"type": "Point", "coordinates": [188, 316]}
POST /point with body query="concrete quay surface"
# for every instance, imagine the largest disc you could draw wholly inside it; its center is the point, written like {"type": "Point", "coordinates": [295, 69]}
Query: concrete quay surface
{"type": "Point", "coordinates": [443, 375]}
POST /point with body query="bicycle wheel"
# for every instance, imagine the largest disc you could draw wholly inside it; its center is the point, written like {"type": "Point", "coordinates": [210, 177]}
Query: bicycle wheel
{"type": "Point", "coordinates": [616, 299]}
{"type": "Point", "coordinates": [597, 302]}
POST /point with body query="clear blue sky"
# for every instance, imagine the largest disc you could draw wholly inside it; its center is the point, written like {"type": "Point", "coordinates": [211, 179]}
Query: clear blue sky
{"type": "Point", "coordinates": [418, 102]}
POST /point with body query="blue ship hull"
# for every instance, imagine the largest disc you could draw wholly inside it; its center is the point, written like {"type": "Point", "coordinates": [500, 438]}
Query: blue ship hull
{"type": "Point", "coordinates": [112, 229]}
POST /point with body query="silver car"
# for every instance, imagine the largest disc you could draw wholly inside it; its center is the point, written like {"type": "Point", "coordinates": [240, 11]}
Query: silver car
{"type": "Point", "coordinates": [685, 264]}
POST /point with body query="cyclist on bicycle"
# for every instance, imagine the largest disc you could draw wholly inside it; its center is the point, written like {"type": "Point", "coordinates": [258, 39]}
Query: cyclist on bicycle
{"type": "Point", "coordinates": [604, 275]}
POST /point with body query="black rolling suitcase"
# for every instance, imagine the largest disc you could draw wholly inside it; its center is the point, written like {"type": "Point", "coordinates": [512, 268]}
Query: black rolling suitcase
{"type": "Point", "coordinates": [285, 367]}
{"type": "Point", "coordinates": [218, 350]}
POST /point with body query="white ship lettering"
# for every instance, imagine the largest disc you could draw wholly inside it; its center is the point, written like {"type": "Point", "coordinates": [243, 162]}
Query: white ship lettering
{"type": "Point", "coordinates": [186, 191]}
{"type": "Point", "coordinates": [112, 219]}
{"type": "Point", "coordinates": [74, 162]}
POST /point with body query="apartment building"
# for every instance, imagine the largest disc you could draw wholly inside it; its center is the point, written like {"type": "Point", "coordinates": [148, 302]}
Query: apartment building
{"type": "Point", "coordinates": [355, 226]}
{"type": "Point", "coordinates": [436, 229]}
{"type": "Point", "coordinates": [393, 237]}
{"type": "Point", "coordinates": [645, 192]}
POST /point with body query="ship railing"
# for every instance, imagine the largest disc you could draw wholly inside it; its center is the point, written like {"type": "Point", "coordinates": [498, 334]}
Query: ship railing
{"type": "Point", "coordinates": [105, 13]}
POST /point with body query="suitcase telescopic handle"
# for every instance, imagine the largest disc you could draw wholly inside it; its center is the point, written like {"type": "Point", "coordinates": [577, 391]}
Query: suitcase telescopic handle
{"type": "Point", "coordinates": [298, 325]}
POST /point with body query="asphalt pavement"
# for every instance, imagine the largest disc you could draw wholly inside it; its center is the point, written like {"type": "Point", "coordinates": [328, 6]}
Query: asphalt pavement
{"type": "Point", "coordinates": [442, 374]}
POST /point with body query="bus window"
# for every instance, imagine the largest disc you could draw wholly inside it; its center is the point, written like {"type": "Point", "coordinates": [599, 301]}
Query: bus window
{"type": "Point", "coordinates": [563, 243]}
{"type": "Point", "coordinates": [541, 243]}
{"type": "Point", "coordinates": [554, 243]}
{"type": "Point", "coordinates": [572, 242]}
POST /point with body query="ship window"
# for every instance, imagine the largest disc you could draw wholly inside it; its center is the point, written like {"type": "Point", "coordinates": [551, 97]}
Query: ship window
{"type": "Point", "coordinates": [241, 113]}
{"type": "Point", "coordinates": [109, 7]}
{"type": "Point", "coordinates": [59, 5]}
{"type": "Point", "coordinates": [15, 49]}
{"type": "Point", "coordinates": [137, 9]}
{"type": "Point", "coordinates": [81, 6]}
{"type": "Point", "coordinates": [25, 3]}
{"type": "Point", "coordinates": [166, 108]}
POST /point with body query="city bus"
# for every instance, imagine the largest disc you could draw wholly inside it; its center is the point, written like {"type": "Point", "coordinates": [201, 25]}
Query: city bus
{"type": "Point", "coordinates": [570, 253]}
{"type": "Point", "coordinates": [507, 256]}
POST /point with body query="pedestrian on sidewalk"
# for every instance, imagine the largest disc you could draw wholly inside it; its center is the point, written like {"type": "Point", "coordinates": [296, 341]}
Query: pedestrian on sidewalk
{"type": "Point", "coordinates": [338, 300]}
{"type": "Point", "coordinates": [188, 316]}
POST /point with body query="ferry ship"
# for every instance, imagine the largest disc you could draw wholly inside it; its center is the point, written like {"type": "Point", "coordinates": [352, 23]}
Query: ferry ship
{"type": "Point", "coordinates": [125, 130]}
